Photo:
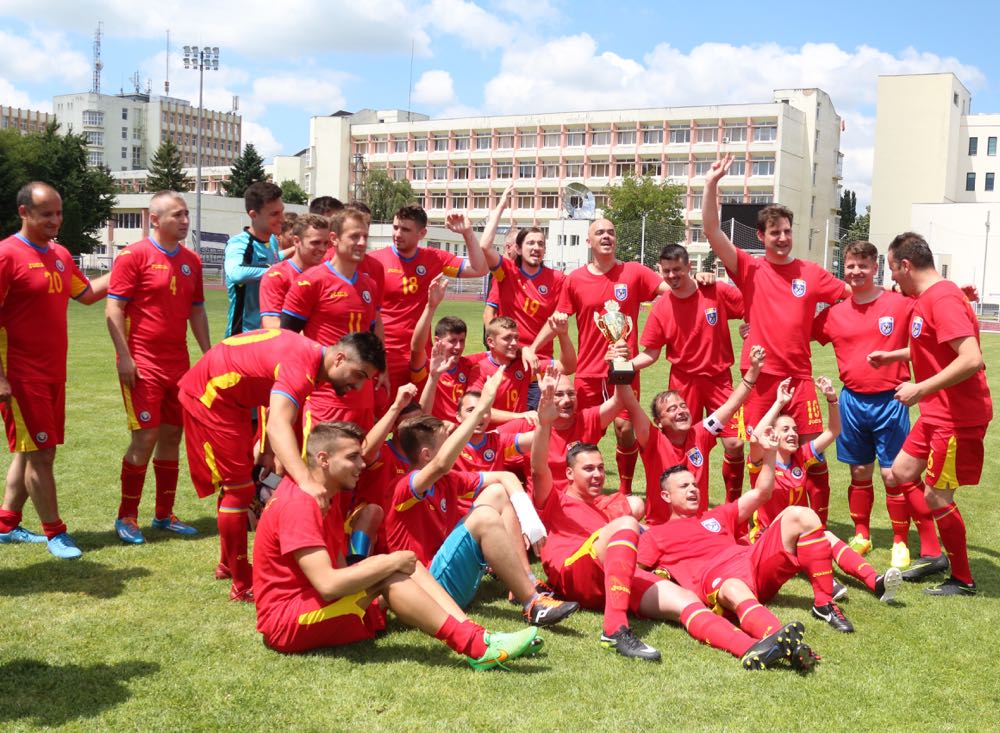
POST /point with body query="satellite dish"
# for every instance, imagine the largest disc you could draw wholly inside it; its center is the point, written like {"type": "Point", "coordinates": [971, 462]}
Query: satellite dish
{"type": "Point", "coordinates": [578, 201]}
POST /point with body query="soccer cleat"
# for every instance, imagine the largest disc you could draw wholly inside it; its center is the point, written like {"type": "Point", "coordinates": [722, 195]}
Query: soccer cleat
{"type": "Point", "coordinates": [839, 590]}
{"type": "Point", "coordinates": [832, 614]}
{"type": "Point", "coordinates": [63, 547]}
{"type": "Point", "coordinates": [803, 658]}
{"type": "Point", "coordinates": [546, 610]}
{"type": "Point", "coordinates": [625, 642]}
{"type": "Point", "coordinates": [924, 566]}
{"type": "Point", "coordinates": [241, 596]}
{"type": "Point", "coordinates": [952, 587]}
{"type": "Point", "coordinates": [128, 531]}
{"type": "Point", "coordinates": [543, 588]}
{"type": "Point", "coordinates": [887, 585]}
{"type": "Point", "coordinates": [501, 648]}
{"type": "Point", "coordinates": [222, 572]}
{"type": "Point", "coordinates": [772, 649]}
{"type": "Point", "coordinates": [900, 556]}
{"type": "Point", "coordinates": [860, 544]}
{"type": "Point", "coordinates": [173, 524]}
{"type": "Point", "coordinates": [20, 534]}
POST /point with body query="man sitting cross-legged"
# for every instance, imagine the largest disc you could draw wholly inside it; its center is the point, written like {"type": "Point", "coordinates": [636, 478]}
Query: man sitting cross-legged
{"type": "Point", "coordinates": [425, 516]}
{"type": "Point", "coordinates": [590, 556]}
{"type": "Point", "coordinates": [308, 599]}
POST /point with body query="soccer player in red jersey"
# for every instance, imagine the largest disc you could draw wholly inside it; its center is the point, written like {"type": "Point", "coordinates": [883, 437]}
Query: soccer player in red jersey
{"type": "Point", "coordinates": [328, 301]}
{"type": "Point", "coordinates": [427, 516]}
{"type": "Point", "coordinates": [586, 294]}
{"type": "Point", "coordinates": [874, 423]}
{"type": "Point", "coordinates": [273, 368]}
{"type": "Point", "coordinates": [490, 450]}
{"type": "Point", "coordinates": [37, 278]}
{"type": "Point", "coordinates": [311, 240]}
{"type": "Point", "coordinates": [955, 406]}
{"type": "Point", "coordinates": [692, 322]}
{"type": "Point", "coordinates": [591, 552]}
{"type": "Point", "coordinates": [308, 599]}
{"type": "Point", "coordinates": [156, 290]}
{"type": "Point", "coordinates": [409, 270]}
{"type": "Point", "coordinates": [670, 438]}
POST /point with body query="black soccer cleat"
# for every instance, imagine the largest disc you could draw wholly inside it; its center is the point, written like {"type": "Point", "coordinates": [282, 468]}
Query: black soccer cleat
{"type": "Point", "coordinates": [839, 590]}
{"type": "Point", "coordinates": [546, 610]}
{"type": "Point", "coordinates": [925, 566]}
{"type": "Point", "coordinates": [625, 642]}
{"type": "Point", "coordinates": [803, 658]}
{"type": "Point", "coordinates": [887, 585]}
{"type": "Point", "coordinates": [832, 614]}
{"type": "Point", "coordinates": [952, 587]}
{"type": "Point", "coordinates": [772, 649]}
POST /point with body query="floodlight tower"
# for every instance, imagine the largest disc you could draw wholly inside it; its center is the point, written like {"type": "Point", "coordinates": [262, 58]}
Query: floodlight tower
{"type": "Point", "coordinates": [201, 60]}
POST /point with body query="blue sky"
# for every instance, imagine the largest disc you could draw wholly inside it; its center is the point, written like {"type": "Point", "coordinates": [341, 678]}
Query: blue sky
{"type": "Point", "coordinates": [290, 60]}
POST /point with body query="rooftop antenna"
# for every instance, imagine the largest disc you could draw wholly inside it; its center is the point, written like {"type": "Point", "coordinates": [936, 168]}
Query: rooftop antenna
{"type": "Point", "coordinates": [409, 91]}
{"type": "Point", "coordinates": [136, 82]}
{"type": "Point", "coordinates": [96, 84]}
{"type": "Point", "coordinates": [166, 79]}
{"type": "Point", "coordinates": [236, 103]}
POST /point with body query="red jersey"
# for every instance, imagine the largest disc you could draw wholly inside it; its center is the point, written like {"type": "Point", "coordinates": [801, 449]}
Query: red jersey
{"type": "Point", "coordinates": [493, 297]}
{"type": "Point", "coordinates": [789, 485]}
{"type": "Point", "coordinates": [695, 330]}
{"type": "Point", "coordinates": [450, 387]}
{"type": "Point", "coordinates": [159, 289]}
{"type": "Point", "coordinates": [512, 395]}
{"type": "Point", "coordinates": [942, 314]}
{"type": "Point", "coordinates": [660, 454]}
{"type": "Point", "coordinates": [242, 372]}
{"type": "Point", "coordinates": [858, 329]}
{"type": "Point", "coordinates": [376, 271]}
{"type": "Point", "coordinates": [421, 524]}
{"type": "Point", "coordinates": [379, 477]}
{"type": "Point", "coordinates": [689, 547]}
{"type": "Point", "coordinates": [584, 294]}
{"type": "Point", "coordinates": [291, 521]}
{"type": "Point", "coordinates": [36, 284]}
{"type": "Point", "coordinates": [528, 299]}
{"type": "Point", "coordinates": [781, 303]}
{"type": "Point", "coordinates": [586, 428]}
{"type": "Point", "coordinates": [274, 287]}
{"type": "Point", "coordinates": [570, 521]}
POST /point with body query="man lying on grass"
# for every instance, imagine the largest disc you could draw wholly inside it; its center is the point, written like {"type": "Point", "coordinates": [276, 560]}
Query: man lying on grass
{"type": "Point", "coordinates": [306, 596]}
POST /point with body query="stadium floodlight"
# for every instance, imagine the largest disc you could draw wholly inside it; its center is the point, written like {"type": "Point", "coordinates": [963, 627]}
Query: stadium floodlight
{"type": "Point", "coordinates": [201, 60]}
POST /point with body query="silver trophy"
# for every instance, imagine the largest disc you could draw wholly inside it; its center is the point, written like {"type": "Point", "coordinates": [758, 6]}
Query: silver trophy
{"type": "Point", "coordinates": [616, 327]}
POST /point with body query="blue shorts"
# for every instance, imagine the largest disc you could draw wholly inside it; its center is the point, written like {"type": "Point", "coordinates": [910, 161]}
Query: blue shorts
{"type": "Point", "coordinates": [872, 426]}
{"type": "Point", "coordinates": [458, 565]}
{"type": "Point", "coordinates": [534, 395]}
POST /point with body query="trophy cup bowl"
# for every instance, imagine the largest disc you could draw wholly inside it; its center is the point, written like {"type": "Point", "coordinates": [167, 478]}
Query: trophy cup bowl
{"type": "Point", "coordinates": [616, 328]}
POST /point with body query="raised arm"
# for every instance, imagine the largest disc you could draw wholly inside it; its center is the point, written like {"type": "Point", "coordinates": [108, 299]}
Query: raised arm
{"type": "Point", "coordinates": [541, 474]}
{"type": "Point", "coordinates": [641, 423]}
{"type": "Point", "coordinates": [422, 331]}
{"type": "Point", "coordinates": [825, 439]}
{"type": "Point", "coordinates": [440, 362]}
{"type": "Point", "coordinates": [742, 390]}
{"type": "Point", "coordinates": [559, 323]}
{"type": "Point", "coordinates": [460, 223]}
{"type": "Point", "coordinates": [490, 231]}
{"type": "Point", "coordinates": [760, 494]}
{"type": "Point", "coordinates": [721, 245]}
{"type": "Point", "coordinates": [380, 430]}
{"type": "Point", "coordinates": [784, 396]}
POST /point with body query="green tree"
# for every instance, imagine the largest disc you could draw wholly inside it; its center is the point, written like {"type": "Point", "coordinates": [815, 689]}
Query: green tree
{"type": "Point", "coordinates": [859, 227]}
{"type": "Point", "coordinates": [848, 208]}
{"type": "Point", "coordinates": [166, 170]}
{"type": "Point", "coordinates": [88, 194]}
{"type": "Point", "coordinates": [293, 193]}
{"type": "Point", "coordinates": [661, 203]}
{"type": "Point", "coordinates": [248, 169]}
{"type": "Point", "coordinates": [384, 196]}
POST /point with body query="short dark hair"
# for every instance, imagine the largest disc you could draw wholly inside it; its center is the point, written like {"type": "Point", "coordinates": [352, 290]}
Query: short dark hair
{"type": "Point", "coordinates": [471, 393]}
{"type": "Point", "coordinates": [654, 409]}
{"type": "Point", "coordinates": [325, 205]}
{"type": "Point", "coordinates": [670, 471]}
{"type": "Point", "coordinates": [309, 221]}
{"type": "Point", "coordinates": [771, 213]}
{"type": "Point", "coordinates": [348, 213]}
{"type": "Point", "coordinates": [522, 234]}
{"type": "Point", "coordinates": [25, 194]}
{"type": "Point", "coordinates": [322, 435]}
{"type": "Point", "coordinates": [448, 325]}
{"type": "Point", "coordinates": [259, 194]}
{"type": "Point", "coordinates": [579, 448]}
{"type": "Point", "coordinates": [360, 206]}
{"type": "Point", "coordinates": [414, 213]}
{"type": "Point", "coordinates": [367, 346]}
{"type": "Point", "coordinates": [861, 248]}
{"type": "Point", "coordinates": [674, 252]}
{"type": "Point", "coordinates": [911, 246]}
{"type": "Point", "coordinates": [289, 221]}
{"type": "Point", "coordinates": [500, 323]}
{"type": "Point", "coordinates": [417, 433]}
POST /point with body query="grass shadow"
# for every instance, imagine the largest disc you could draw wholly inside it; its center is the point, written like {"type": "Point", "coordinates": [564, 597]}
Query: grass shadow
{"type": "Point", "coordinates": [60, 576]}
{"type": "Point", "coordinates": [386, 650]}
{"type": "Point", "coordinates": [91, 540]}
{"type": "Point", "coordinates": [52, 695]}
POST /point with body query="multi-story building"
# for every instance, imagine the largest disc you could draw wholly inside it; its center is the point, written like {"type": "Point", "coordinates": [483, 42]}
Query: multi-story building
{"type": "Point", "coordinates": [787, 151]}
{"type": "Point", "coordinates": [123, 131]}
{"type": "Point", "coordinates": [212, 178]}
{"type": "Point", "coordinates": [25, 120]}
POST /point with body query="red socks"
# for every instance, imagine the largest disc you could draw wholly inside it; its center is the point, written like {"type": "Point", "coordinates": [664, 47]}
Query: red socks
{"type": "Point", "coordinates": [732, 476]}
{"type": "Point", "coordinates": [952, 527]}
{"type": "Point", "coordinates": [714, 630]}
{"type": "Point", "coordinates": [626, 460]}
{"type": "Point", "coordinates": [899, 512]}
{"type": "Point", "coordinates": [921, 515]}
{"type": "Point", "coordinates": [853, 564]}
{"type": "Point", "coordinates": [166, 486]}
{"type": "Point", "coordinates": [860, 500]}
{"type": "Point", "coordinates": [619, 569]}
{"type": "Point", "coordinates": [9, 520]}
{"type": "Point", "coordinates": [51, 529]}
{"type": "Point", "coordinates": [233, 535]}
{"type": "Point", "coordinates": [133, 478]}
{"type": "Point", "coordinates": [464, 637]}
{"type": "Point", "coordinates": [756, 620]}
{"type": "Point", "coordinates": [813, 553]}
{"type": "Point", "coordinates": [818, 488]}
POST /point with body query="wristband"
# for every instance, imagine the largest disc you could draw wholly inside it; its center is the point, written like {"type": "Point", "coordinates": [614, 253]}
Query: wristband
{"type": "Point", "coordinates": [831, 402]}
{"type": "Point", "coordinates": [748, 383]}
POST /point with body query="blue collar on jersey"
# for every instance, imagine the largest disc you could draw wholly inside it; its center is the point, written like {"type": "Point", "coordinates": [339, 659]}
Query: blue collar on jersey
{"type": "Point", "coordinates": [480, 444]}
{"type": "Point", "coordinates": [392, 446]}
{"type": "Point", "coordinates": [405, 259]}
{"type": "Point", "coordinates": [530, 277]}
{"type": "Point", "coordinates": [338, 273]}
{"type": "Point", "coordinates": [164, 250]}
{"type": "Point", "coordinates": [40, 250]}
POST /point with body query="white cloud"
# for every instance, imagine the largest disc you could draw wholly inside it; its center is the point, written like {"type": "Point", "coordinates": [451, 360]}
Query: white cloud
{"type": "Point", "coordinates": [467, 21]}
{"type": "Point", "coordinates": [529, 11]}
{"type": "Point", "coordinates": [262, 138]}
{"type": "Point", "coordinates": [434, 88]}
{"type": "Point", "coordinates": [11, 96]}
{"type": "Point", "coordinates": [308, 93]}
{"type": "Point", "coordinates": [41, 57]}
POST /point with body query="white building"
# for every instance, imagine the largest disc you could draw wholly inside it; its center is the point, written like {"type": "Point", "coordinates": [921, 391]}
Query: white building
{"type": "Point", "coordinates": [25, 120]}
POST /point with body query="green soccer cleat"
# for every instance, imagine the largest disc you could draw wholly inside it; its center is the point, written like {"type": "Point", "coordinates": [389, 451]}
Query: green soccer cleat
{"type": "Point", "coordinates": [502, 648]}
{"type": "Point", "coordinates": [860, 544]}
{"type": "Point", "coordinates": [900, 556]}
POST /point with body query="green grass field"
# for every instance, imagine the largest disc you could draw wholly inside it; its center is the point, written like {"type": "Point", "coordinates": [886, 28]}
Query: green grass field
{"type": "Point", "coordinates": [132, 638]}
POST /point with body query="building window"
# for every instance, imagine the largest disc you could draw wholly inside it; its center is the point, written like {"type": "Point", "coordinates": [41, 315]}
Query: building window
{"type": "Point", "coordinates": [677, 168]}
{"type": "Point", "coordinates": [93, 117]}
{"type": "Point", "coordinates": [128, 220]}
{"type": "Point", "coordinates": [418, 173]}
{"type": "Point", "coordinates": [600, 200]}
{"type": "Point", "coordinates": [766, 132]}
{"type": "Point", "coordinates": [652, 134]}
{"type": "Point", "coordinates": [988, 183]}
{"type": "Point", "coordinates": [600, 137]}
{"type": "Point", "coordinates": [551, 140]}
{"type": "Point", "coordinates": [381, 145]}
{"type": "Point", "coordinates": [124, 153]}
{"type": "Point", "coordinates": [625, 137]}
{"type": "Point", "coordinates": [360, 147]}
{"type": "Point", "coordinates": [550, 170]}
{"type": "Point", "coordinates": [527, 140]}
{"type": "Point", "coordinates": [574, 170]}
{"type": "Point", "coordinates": [970, 181]}
{"type": "Point", "coordinates": [462, 142]}
{"type": "Point", "coordinates": [399, 145]}
{"type": "Point", "coordinates": [735, 133]}
{"type": "Point", "coordinates": [696, 200]}
{"type": "Point", "coordinates": [730, 198]}
{"type": "Point", "coordinates": [460, 173]}
{"type": "Point", "coordinates": [599, 170]}
{"type": "Point", "coordinates": [95, 157]}
{"type": "Point", "coordinates": [707, 134]}
{"type": "Point", "coordinates": [526, 170]}
{"type": "Point", "coordinates": [550, 200]}
{"type": "Point", "coordinates": [738, 168]}
{"type": "Point", "coordinates": [697, 233]}
{"type": "Point", "coordinates": [526, 201]}
{"type": "Point", "coordinates": [397, 172]}
{"type": "Point", "coordinates": [973, 145]}
{"type": "Point", "coordinates": [459, 201]}
{"type": "Point", "coordinates": [439, 172]}
{"type": "Point", "coordinates": [439, 201]}
{"type": "Point", "coordinates": [762, 167]}
{"type": "Point", "coordinates": [420, 144]}
{"type": "Point", "coordinates": [624, 169]}
{"type": "Point", "coordinates": [761, 197]}
{"type": "Point", "coordinates": [441, 142]}
{"type": "Point", "coordinates": [702, 166]}
{"type": "Point", "coordinates": [482, 171]}
{"type": "Point", "coordinates": [650, 167]}
{"type": "Point", "coordinates": [505, 141]}
{"type": "Point", "coordinates": [93, 137]}
{"type": "Point", "coordinates": [680, 134]}
{"type": "Point", "coordinates": [505, 171]}
{"type": "Point", "coordinates": [124, 133]}
{"type": "Point", "coordinates": [575, 138]}
{"type": "Point", "coordinates": [124, 113]}
{"type": "Point", "coordinates": [483, 141]}
{"type": "Point", "coordinates": [991, 146]}
{"type": "Point", "coordinates": [481, 202]}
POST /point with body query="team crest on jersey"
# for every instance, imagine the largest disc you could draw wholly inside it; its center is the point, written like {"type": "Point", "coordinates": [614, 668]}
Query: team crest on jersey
{"type": "Point", "coordinates": [185, 269]}
{"type": "Point", "coordinates": [60, 266]}
{"type": "Point", "coordinates": [712, 525]}
{"type": "Point", "coordinates": [798, 287]}
{"type": "Point", "coordinates": [518, 375]}
{"type": "Point", "coordinates": [696, 457]}
{"type": "Point", "coordinates": [489, 455]}
{"type": "Point", "coordinates": [796, 473]}
{"type": "Point", "coordinates": [444, 505]}
{"type": "Point", "coordinates": [712, 316]}
{"type": "Point", "coordinates": [621, 291]}
{"type": "Point", "coordinates": [144, 416]}
{"type": "Point", "coordinates": [42, 438]}
{"type": "Point", "coordinates": [543, 289]}
{"type": "Point", "coordinates": [366, 296]}
{"type": "Point", "coordinates": [917, 326]}
{"type": "Point", "coordinates": [885, 325]}
{"type": "Point", "coordinates": [421, 270]}
{"type": "Point", "coordinates": [462, 377]}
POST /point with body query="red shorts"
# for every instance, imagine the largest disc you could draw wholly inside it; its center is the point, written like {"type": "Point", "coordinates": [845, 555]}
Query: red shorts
{"type": "Point", "coordinates": [592, 391]}
{"type": "Point", "coordinates": [152, 401]}
{"type": "Point", "coordinates": [582, 580]}
{"type": "Point", "coordinates": [220, 453]}
{"type": "Point", "coordinates": [954, 455]}
{"type": "Point", "coordinates": [804, 407]}
{"type": "Point", "coordinates": [765, 566]}
{"type": "Point", "coordinates": [35, 416]}
{"type": "Point", "coordinates": [704, 394]}
{"type": "Point", "coordinates": [315, 624]}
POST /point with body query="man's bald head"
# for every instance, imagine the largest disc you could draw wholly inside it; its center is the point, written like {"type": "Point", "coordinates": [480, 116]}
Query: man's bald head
{"type": "Point", "coordinates": [32, 194]}
{"type": "Point", "coordinates": [162, 200]}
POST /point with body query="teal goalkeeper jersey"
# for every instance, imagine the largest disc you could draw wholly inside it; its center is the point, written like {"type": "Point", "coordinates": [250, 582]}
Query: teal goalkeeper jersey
{"type": "Point", "coordinates": [246, 260]}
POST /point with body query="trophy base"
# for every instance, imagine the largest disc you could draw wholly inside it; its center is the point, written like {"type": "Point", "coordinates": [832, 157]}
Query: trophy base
{"type": "Point", "coordinates": [621, 371]}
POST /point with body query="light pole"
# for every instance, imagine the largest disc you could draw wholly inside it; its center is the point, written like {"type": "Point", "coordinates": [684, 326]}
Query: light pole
{"type": "Point", "coordinates": [205, 58]}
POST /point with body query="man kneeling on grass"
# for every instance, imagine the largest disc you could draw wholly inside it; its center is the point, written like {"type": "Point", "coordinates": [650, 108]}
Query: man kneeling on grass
{"type": "Point", "coordinates": [308, 599]}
